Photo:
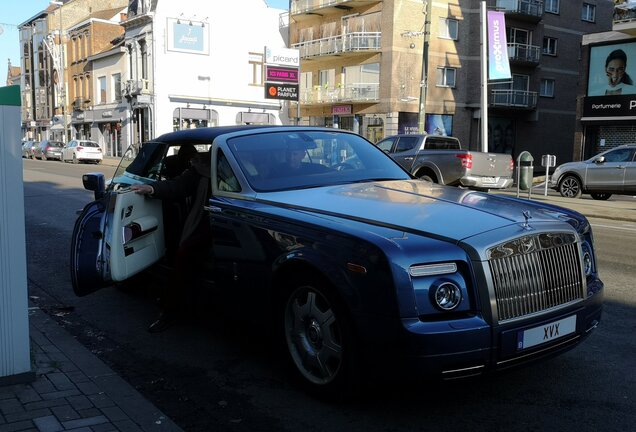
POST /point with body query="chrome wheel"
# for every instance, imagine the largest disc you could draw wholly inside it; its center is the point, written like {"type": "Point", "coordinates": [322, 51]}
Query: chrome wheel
{"type": "Point", "coordinates": [570, 187]}
{"type": "Point", "coordinates": [314, 336]}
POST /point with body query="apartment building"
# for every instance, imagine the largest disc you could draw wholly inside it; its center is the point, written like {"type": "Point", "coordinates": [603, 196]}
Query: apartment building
{"type": "Point", "coordinates": [45, 83]}
{"type": "Point", "coordinates": [606, 116]}
{"type": "Point", "coordinates": [95, 66]}
{"type": "Point", "coordinates": [361, 69]}
{"type": "Point", "coordinates": [35, 84]}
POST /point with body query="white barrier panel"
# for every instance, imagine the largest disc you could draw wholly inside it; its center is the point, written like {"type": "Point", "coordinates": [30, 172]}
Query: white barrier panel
{"type": "Point", "coordinates": [15, 360]}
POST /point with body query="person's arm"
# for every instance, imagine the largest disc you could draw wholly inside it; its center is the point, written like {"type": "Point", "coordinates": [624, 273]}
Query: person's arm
{"type": "Point", "coordinates": [180, 187]}
{"type": "Point", "coordinates": [143, 189]}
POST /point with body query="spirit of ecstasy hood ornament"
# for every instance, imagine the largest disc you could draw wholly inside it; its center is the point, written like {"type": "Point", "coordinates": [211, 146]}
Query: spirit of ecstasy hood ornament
{"type": "Point", "coordinates": [526, 214]}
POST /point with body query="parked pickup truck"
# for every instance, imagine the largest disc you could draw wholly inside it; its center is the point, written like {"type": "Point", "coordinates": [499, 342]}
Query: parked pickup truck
{"type": "Point", "coordinates": [441, 159]}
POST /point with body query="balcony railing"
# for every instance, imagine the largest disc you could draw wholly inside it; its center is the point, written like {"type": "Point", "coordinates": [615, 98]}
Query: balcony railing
{"type": "Point", "coordinates": [625, 17]}
{"type": "Point", "coordinates": [80, 103]}
{"type": "Point", "coordinates": [135, 87]}
{"type": "Point", "coordinates": [524, 53]}
{"type": "Point", "coordinates": [303, 6]}
{"type": "Point", "coordinates": [349, 42]}
{"type": "Point", "coordinates": [357, 92]}
{"type": "Point", "coordinates": [532, 9]}
{"type": "Point", "coordinates": [507, 98]}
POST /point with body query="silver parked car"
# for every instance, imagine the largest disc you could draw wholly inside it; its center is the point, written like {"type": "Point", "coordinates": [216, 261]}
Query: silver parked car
{"type": "Point", "coordinates": [610, 172]}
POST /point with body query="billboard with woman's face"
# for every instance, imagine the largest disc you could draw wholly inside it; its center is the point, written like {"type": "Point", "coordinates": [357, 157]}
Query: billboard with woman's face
{"type": "Point", "coordinates": [612, 70]}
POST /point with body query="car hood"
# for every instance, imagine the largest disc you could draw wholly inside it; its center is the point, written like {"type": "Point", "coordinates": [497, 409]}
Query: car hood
{"type": "Point", "coordinates": [416, 206]}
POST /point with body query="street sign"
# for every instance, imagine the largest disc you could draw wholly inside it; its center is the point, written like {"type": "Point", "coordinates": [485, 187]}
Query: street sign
{"type": "Point", "coordinates": [281, 74]}
{"type": "Point", "coordinates": [282, 56]}
{"type": "Point", "coordinates": [281, 91]}
{"type": "Point", "coordinates": [548, 160]}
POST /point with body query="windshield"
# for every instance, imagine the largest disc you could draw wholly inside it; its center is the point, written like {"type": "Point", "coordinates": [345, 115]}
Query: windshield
{"type": "Point", "coordinates": [293, 159]}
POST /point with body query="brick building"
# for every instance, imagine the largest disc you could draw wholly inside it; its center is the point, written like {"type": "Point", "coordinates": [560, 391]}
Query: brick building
{"type": "Point", "coordinates": [361, 68]}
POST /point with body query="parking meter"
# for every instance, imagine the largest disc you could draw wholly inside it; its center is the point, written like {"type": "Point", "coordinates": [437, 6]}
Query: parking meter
{"type": "Point", "coordinates": [547, 161]}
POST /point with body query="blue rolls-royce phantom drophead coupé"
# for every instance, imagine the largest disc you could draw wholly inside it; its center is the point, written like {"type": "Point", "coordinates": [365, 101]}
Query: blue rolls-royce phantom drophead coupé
{"type": "Point", "coordinates": [356, 262]}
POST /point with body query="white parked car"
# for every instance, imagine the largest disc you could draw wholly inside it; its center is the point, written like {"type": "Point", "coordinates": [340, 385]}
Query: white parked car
{"type": "Point", "coordinates": [82, 151]}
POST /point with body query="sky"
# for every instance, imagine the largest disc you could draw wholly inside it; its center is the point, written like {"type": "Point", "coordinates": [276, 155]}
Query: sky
{"type": "Point", "coordinates": [16, 12]}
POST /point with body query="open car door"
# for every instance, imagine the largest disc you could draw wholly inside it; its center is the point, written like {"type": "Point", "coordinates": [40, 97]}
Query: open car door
{"type": "Point", "coordinates": [115, 237]}
{"type": "Point", "coordinates": [87, 263]}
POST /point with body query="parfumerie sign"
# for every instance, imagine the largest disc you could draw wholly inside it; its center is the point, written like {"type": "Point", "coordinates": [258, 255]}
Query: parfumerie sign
{"type": "Point", "coordinates": [609, 106]}
{"type": "Point", "coordinates": [187, 36]}
{"type": "Point", "coordinates": [282, 70]}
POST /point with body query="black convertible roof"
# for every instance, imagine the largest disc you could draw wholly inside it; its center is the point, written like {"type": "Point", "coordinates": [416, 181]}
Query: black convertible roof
{"type": "Point", "coordinates": [206, 135]}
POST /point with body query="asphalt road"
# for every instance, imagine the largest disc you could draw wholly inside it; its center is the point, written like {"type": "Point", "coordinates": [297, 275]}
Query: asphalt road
{"type": "Point", "coordinates": [218, 371]}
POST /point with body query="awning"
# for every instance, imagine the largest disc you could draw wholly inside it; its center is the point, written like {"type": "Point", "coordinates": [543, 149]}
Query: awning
{"type": "Point", "coordinates": [615, 118]}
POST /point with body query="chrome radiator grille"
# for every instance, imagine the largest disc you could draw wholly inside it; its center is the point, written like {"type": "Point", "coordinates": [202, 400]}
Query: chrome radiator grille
{"type": "Point", "coordinates": [535, 273]}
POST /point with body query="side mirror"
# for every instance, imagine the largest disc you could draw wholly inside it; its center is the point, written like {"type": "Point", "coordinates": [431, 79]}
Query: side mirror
{"type": "Point", "coordinates": [94, 182]}
{"type": "Point", "coordinates": [599, 160]}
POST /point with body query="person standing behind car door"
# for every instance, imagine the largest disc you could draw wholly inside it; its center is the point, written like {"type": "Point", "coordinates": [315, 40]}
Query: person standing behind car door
{"type": "Point", "coordinates": [196, 237]}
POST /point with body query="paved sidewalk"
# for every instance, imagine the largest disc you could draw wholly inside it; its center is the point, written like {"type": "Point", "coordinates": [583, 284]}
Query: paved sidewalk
{"type": "Point", "coordinates": [618, 207]}
{"type": "Point", "coordinates": [73, 390]}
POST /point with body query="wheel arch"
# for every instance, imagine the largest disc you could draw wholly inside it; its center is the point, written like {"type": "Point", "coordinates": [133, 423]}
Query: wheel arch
{"type": "Point", "coordinates": [573, 174]}
{"type": "Point", "coordinates": [429, 169]}
{"type": "Point", "coordinates": [298, 267]}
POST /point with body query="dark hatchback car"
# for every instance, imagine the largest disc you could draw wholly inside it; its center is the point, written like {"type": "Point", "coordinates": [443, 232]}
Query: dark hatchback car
{"type": "Point", "coordinates": [48, 150]}
{"type": "Point", "coordinates": [362, 270]}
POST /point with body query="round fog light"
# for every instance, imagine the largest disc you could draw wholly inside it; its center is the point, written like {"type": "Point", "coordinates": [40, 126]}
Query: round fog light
{"type": "Point", "coordinates": [447, 296]}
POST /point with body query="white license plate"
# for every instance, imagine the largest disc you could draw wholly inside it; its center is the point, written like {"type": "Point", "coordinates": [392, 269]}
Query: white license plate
{"type": "Point", "coordinates": [490, 180]}
{"type": "Point", "coordinates": [546, 333]}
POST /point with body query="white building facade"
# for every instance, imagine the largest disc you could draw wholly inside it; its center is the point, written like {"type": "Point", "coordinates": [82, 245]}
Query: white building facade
{"type": "Point", "coordinates": [193, 64]}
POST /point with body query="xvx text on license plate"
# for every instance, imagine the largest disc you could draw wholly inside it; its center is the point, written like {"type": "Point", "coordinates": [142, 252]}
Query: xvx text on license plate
{"type": "Point", "coordinates": [546, 333]}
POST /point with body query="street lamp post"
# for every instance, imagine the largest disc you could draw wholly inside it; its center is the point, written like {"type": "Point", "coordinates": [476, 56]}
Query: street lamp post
{"type": "Point", "coordinates": [62, 91]}
{"type": "Point", "coordinates": [421, 117]}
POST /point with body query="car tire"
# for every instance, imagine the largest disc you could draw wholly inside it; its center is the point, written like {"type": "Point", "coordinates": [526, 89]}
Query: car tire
{"type": "Point", "coordinates": [570, 187]}
{"type": "Point", "coordinates": [318, 339]}
{"type": "Point", "coordinates": [601, 196]}
{"type": "Point", "coordinates": [427, 177]}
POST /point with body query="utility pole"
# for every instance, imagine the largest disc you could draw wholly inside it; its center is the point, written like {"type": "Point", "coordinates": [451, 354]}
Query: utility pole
{"type": "Point", "coordinates": [484, 76]}
{"type": "Point", "coordinates": [421, 120]}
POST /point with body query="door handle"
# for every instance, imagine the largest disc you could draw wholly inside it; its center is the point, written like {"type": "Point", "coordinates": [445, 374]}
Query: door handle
{"type": "Point", "coordinates": [408, 158]}
{"type": "Point", "coordinates": [212, 209]}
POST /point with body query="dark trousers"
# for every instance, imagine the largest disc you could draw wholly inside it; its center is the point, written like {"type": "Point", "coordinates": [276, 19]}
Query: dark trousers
{"type": "Point", "coordinates": [187, 264]}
